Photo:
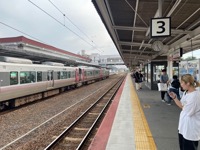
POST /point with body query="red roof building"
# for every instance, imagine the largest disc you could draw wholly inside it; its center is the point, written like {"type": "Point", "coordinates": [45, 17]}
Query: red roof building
{"type": "Point", "coordinates": [25, 41]}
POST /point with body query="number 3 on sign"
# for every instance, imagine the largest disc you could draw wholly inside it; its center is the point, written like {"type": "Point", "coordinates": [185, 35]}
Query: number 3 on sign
{"type": "Point", "coordinates": [160, 27]}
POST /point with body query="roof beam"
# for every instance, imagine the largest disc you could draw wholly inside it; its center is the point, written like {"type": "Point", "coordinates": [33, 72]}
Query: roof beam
{"type": "Point", "coordinates": [130, 28]}
{"type": "Point", "coordinates": [183, 40]}
{"type": "Point", "coordinates": [138, 51]}
{"type": "Point", "coordinates": [136, 56]}
{"type": "Point", "coordinates": [144, 29]}
{"type": "Point", "coordinates": [134, 44]}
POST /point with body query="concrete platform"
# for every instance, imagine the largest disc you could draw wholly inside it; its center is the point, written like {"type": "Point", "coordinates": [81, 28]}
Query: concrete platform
{"type": "Point", "coordinates": [138, 120]}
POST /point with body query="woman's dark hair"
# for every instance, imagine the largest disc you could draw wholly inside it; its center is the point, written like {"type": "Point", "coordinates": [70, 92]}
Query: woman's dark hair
{"type": "Point", "coordinates": [175, 77]}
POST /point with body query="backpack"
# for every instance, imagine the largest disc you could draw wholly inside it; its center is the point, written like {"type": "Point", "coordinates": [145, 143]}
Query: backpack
{"type": "Point", "coordinates": [175, 84]}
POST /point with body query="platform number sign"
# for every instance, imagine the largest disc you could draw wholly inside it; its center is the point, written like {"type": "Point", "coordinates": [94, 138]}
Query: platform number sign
{"type": "Point", "coordinates": [160, 27]}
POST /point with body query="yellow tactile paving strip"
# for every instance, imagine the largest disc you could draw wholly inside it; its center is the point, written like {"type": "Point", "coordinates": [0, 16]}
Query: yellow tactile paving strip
{"type": "Point", "coordinates": [143, 136]}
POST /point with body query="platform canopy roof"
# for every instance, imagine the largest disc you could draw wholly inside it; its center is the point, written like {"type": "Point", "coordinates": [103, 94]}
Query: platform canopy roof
{"type": "Point", "coordinates": [129, 24]}
{"type": "Point", "coordinates": [22, 47]}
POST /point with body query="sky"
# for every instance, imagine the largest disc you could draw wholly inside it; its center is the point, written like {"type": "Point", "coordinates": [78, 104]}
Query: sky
{"type": "Point", "coordinates": [71, 25]}
{"type": "Point", "coordinates": [43, 20]}
{"type": "Point", "coordinates": [195, 53]}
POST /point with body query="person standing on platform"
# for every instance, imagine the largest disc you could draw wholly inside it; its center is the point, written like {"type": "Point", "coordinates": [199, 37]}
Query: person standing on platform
{"type": "Point", "coordinates": [141, 79]}
{"type": "Point", "coordinates": [138, 80]}
{"type": "Point", "coordinates": [189, 120]}
{"type": "Point", "coordinates": [164, 79]}
{"type": "Point", "coordinates": [133, 74]}
{"type": "Point", "coordinates": [173, 87]}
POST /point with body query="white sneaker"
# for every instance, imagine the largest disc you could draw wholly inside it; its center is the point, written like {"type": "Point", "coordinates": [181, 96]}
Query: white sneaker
{"type": "Point", "coordinates": [163, 100]}
{"type": "Point", "coordinates": [169, 104]}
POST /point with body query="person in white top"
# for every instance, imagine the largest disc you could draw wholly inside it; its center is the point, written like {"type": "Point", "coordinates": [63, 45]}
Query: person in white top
{"type": "Point", "coordinates": [189, 121]}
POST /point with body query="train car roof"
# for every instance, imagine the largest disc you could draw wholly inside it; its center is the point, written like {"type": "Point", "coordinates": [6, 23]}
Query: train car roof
{"type": "Point", "coordinates": [52, 63]}
{"type": "Point", "coordinates": [88, 67]}
{"type": "Point", "coordinates": [36, 66]}
{"type": "Point", "coordinates": [87, 64]}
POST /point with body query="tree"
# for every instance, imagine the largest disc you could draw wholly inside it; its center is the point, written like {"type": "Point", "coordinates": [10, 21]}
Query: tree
{"type": "Point", "coordinates": [190, 58]}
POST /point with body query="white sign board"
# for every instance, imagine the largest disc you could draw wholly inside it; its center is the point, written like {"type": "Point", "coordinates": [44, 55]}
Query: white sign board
{"type": "Point", "coordinates": [177, 53]}
{"type": "Point", "coordinates": [160, 27]}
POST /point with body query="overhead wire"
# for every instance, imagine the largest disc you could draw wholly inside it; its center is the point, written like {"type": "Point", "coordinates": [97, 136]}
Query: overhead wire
{"type": "Point", "coordinates": [21, 32]}
{"type": "Point", "coordinates": [61, 22]}
{"type": "Point", "coordinates": [68, 19]}
{"type": "Point", "coordinates": [72, 22]}
{"type": "Point", "coordinates": [58, 10]}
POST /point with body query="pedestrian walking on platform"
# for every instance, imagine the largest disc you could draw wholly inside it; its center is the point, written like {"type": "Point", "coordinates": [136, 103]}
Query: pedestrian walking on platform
{"type": "Point", "coordinates": [164, 79]}
{"type": "Point", "coordinates": [189, 121]}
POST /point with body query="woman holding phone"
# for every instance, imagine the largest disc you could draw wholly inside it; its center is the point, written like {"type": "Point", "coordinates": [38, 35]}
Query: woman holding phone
{"type": "Point", "coordinates": [189, 121]}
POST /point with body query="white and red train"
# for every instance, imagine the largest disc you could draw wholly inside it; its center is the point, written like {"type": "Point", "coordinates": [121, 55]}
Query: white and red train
{"type": "Point", "coordinates": [21, 81]}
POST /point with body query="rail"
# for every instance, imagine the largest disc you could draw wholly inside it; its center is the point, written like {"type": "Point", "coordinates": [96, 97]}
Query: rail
{"type": "Point", "coordinates": [78, 132]}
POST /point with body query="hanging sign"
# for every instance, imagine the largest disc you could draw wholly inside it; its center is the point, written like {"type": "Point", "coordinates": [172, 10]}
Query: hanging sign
{"type": "Point", "coordinates": [177, 54]}
{"type": "Point", "coordinates": [160, 27]}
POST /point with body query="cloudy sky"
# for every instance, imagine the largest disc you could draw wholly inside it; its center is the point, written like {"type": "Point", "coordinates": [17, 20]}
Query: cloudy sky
{"type": "Point", "coordinates": [195, 53]}
{"type": "Point", "coordinates": [43, 20]}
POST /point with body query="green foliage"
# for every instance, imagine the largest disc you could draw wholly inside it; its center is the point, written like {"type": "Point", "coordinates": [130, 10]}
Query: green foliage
{"type": "Point", "coordinates": [190, 58]}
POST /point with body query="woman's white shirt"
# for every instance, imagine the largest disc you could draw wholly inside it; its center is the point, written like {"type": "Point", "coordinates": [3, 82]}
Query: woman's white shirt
{"type": "Point", "coordinates": [189, 121]}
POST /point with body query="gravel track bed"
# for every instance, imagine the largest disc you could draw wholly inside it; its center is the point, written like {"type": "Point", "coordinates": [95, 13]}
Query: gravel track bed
{"type": "Point", "coordinates": [21, 121]}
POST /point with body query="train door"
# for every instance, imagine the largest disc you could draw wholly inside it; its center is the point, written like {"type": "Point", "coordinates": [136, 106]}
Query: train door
{"type": "Point", "coordinates": [101, 73]}
{"type": "Point", "coordinates": [0, 84]}
{"type": "Point", "coordinates": [50, 79]}
{"type": "Point", "coordinates": [77, 75]}
{"type": "Point", "coordinates": [80, 73]}
{"type": "Point", "coordinates": [83, 74]}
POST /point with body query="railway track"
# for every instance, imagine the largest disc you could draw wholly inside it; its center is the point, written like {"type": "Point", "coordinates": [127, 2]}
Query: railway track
{"type": "Point", "coordinates": [51, 123]}
{"type": "Point", "coordinates": [77, 134]}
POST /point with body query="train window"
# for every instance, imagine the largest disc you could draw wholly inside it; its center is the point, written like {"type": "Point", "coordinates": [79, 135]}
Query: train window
{"type": "Point", "coordinates": [13, 78]}
{"type": "Point", "coordinates": [50, 75]}
{"type": "Point", "coordinates": [88, 73]}
{"type": "Point", "coordinates": [58, 75]}
{"type": "Point", "coordinates": [69, 74]}
{"type": "Point", "coordinates": [23, 78]}
{"type": "Point", "coordinates": [39, 76]}
{"type": "Point", "coordinates": [27, 77]}
{"type": "Point", "coordinates": [32, 76]}
{"type": "Point", "coordinates": [72, 74]}
{"type": "Point", "coordinates": [63, 75]}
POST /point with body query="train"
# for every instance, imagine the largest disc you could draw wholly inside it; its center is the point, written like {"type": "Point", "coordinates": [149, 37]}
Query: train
{"type": "Point", "coordinates": [22, 81]}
